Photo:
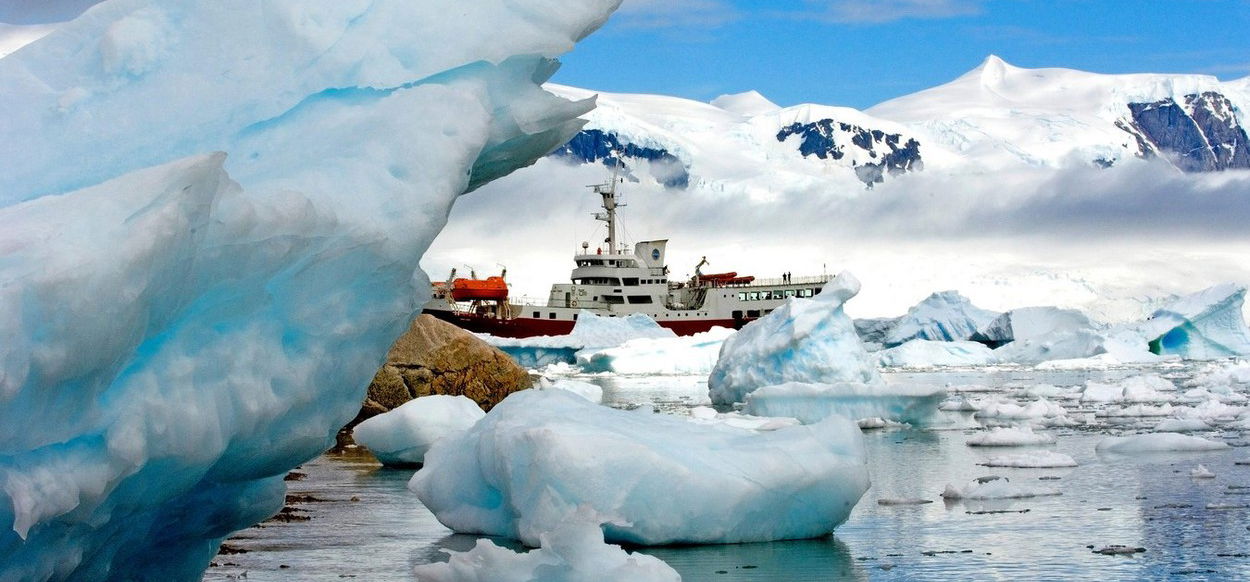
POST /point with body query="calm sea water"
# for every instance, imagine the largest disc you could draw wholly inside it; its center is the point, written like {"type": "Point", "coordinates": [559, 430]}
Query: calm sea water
{"type": "Point", "coordinates": [365, 524]}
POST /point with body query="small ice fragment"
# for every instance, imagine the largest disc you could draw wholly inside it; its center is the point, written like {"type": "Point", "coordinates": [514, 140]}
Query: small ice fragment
{"type": "Point", "coordinates": [1201, 472]}
{"type": "Point", "coordinates": [903, 501]}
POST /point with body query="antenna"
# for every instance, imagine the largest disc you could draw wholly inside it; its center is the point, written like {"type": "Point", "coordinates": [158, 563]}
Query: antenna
{"type": "Point", "coordinates": [608, 192]}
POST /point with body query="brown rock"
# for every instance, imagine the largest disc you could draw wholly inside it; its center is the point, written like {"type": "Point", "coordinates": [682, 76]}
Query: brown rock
{"type": "Point", "coordinates": [436, 357]}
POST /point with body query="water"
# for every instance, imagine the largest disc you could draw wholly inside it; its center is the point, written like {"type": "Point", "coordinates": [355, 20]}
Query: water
{"type": "Point", "coordinates": [1142, 501]}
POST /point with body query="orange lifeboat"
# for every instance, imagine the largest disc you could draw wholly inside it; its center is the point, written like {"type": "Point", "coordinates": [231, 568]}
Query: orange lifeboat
{"type": "Point", "coordinates": [490, 288]}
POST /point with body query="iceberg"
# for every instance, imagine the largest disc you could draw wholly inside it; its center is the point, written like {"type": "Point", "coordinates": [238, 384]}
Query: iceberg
{"type": "Point", "coordinates": [945, 316]}
{"type": "Point", "coordinates": [211, 218]}
{"type": "Point", "coordinates": [402, 436]}
{"type": "Point", "coordinates": [693, 354]}
{"type": "Point", "coordinates": [591, 333]}
{"type": "Point", "coordinates": [920, 353]}
{"type": "Point", "coordinates": [804, 340]}
{"type": "Point", "coordinates": [1206, 325]}
{"type": "Point", "coordinates": [1026, 323]}
{"type": "Point", "coordinates": [657, 479]}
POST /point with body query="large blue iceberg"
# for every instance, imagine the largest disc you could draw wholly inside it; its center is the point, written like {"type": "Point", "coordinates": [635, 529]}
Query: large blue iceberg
{"type": "Point", "coordinates": [211, 217]}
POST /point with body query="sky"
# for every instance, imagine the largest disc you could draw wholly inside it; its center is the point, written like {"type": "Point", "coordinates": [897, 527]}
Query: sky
{"type": "Point", "coordinates": [858, 53]}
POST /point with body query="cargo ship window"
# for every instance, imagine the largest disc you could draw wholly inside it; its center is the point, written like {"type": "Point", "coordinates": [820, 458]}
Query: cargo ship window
{"type": "Point", "coordinates": [742, 296]}
{"type": "Point", "coordinates": [551, 316]}
{"type": "Point", "coordinates": [636, 299]}
{"type": "Point", "coordinates": [753, 296]}
{"type": "Point", "coordinates": [597, 281]}
{"type": "Point", "coordinates": [789, 292]}
{"type": "Point", "coordinates": [630, 281]}
{"type": "Point", "coordinates": [613, 299]}
{"type": "Point", "coordinates": [537, 315]}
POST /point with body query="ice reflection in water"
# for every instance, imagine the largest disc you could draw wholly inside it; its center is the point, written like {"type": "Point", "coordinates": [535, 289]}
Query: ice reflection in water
{"type": "Point", "coordinates": [1147, 501]}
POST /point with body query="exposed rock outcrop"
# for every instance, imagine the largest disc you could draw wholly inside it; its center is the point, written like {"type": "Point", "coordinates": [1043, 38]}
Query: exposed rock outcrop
{"type": "Point", "coordinates": [436, 357]}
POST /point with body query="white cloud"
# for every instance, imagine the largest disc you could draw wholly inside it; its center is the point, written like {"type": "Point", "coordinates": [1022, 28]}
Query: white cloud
{"type": "Point", "coordinates": [703, 14]}
{"type": "Point", "coordinates": [878, 11]}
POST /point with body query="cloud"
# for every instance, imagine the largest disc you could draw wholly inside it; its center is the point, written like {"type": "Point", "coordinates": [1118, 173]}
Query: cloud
{"type": "Point", "coordinates": [662, 14]}
{"type": "Point", "coordinates": [880, 11]}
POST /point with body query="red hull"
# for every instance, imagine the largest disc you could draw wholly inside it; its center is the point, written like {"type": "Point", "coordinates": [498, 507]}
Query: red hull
{"type": "Point", "coordinates": [521, 327]}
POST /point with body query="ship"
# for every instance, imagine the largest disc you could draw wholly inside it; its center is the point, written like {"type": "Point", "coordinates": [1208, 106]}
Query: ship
{"type": "Point", "coordinates": [615, 280]}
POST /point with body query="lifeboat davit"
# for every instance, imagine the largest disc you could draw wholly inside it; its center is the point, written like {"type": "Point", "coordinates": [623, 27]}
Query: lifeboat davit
{"type": "Point", "coordinates": [490, 288]}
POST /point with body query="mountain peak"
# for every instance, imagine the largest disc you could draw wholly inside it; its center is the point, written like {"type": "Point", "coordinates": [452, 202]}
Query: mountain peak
{"type": "Point", "coordinates": [748, 103]}
{"type": "Point", "coordinates": [993, 70]}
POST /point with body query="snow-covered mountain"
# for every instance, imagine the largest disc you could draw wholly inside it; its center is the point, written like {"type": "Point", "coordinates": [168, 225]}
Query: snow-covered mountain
{"type": "Point", "coordinates": [995, 117]}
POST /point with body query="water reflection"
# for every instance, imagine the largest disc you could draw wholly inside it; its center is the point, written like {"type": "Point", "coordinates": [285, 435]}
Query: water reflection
{"type": "Point", "coordinates": [822, 559]}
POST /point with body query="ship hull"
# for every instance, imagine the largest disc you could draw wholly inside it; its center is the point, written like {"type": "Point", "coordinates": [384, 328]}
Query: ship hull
{"type": "Point", "coordinates": [523, 327]}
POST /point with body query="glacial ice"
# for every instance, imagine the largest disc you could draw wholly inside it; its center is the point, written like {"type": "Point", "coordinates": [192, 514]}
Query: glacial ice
{"type": "Point", "coordinates": [693, 354]}
{"type": "Point", "coordinates": [1157, 442]}
{"type": "Point", "coordinates": [919, 353]}
{"type": "Point", "coordinates": [810, 403]}
{"type": "Point", "coordinates": [574, 551]}
{"type": "Point", "coordinates": [657, 479]}
{"type": "Point", "coordinates": [944, 316]}
{"type": "Point", "coordinates": [1038, 409]}
{"type": "Point", "coordinates": [212, 218]}
{"type": "Point", "coordinates": [403, 435]}
{"type": "Point", "coordinates": [591, 332]}
{"type": "Point", "coordinates": [1203, 326]}
{"type": "Point", "coordinates": [804, 340]}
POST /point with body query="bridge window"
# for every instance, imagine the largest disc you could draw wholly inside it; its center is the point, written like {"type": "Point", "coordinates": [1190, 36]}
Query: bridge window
{"type": "Point", "coordinates": [753, 296]}
{"type": "Point", "coordinates": [613, 299]}
{"type": "Point", "coordinates": [636, 299]}
{"type": "Point", "coordinates": [630, 281]}
{"type": "Point", "coordinates": [789, 292]}
{"type": "Point", "coordinates": [742, 296]}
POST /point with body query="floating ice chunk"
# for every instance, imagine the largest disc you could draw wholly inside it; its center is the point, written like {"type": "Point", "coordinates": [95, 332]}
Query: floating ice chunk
{"type": "Point", "coordinates": [926, 354]}
{"type": "Point", "coordinates": [591, 392]}
{"type": "Point", "coordinates": [1201, 472]}
{"type": "Point", "coordinates": [1182, 425]}
{"type": "Point", "coordinates": [1031, 460]}
{"type": "Point", "coordinates": [694, 354]}
{"type": "Point", "coordinates": [944, 316]}
{"type": "Point", "coordinates": [903, 501]}
{"type": "Point", "coordinates": [574, 551]}
{"type": "Point", "coordinates": [1041, 408]}
{"type": "Point", "coordinates": [1212, 411]}
{"type": "Point", "coordinates": [403, 435]}
{"type": "Point", "coordinates": [591, 332]}
{"type": "Point", "coordinates": [1136, 411]}
{"type": "Point", "coordinates": [1157, 442]}
{"type": "Point", "coordinates": [1203, 326]}
{"type": "Point", "coordinates": [1223, 378]}
{"type": "Point", "coordinates": [1010, 437]}
{"type": "Point", "coordinates": [996, 488]}
{"type": "Point", "coordinates": [663, 479]}
{"type": "Point", "coordinates": [1145, 388]}
{"type": "Point", "coordinates": [1027, 323]}
{"type": "Point", "coordinates": [804, 340]}
{"type": "Point", "coordinates": [810, 403]}
{"type": "Point", "coordinates": [961, 404]}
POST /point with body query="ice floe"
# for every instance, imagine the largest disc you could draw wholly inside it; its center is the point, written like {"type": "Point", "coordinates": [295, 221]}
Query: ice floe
{"type": "Point", "coordinates": [1158, 442]}
{"type": "Point", "coordinates": [403, 435]}
{"type": "Point", "coordinates": [1010, 437]}
{"type": "Point", "coordinates": [996, 488]}
{"type": "Point", "coordinates": [1031, 460]}
{"type": "Point", "coordinates": [659, 479]}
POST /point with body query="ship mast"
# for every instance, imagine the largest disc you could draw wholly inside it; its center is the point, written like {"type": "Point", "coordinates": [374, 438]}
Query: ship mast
{"type": "Point", "coordinates": [608, 192]}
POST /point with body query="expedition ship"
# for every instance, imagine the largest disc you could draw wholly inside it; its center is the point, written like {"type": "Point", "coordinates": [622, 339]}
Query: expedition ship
{"type": "Point", "coordinates": [616, 282]}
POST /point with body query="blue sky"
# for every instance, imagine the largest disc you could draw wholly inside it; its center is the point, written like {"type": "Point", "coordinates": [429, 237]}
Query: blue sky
{"type": "Point", "coordinates": [861, 52]}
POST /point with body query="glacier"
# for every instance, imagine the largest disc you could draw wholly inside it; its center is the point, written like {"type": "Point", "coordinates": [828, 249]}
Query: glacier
{"type": "Point", "coordinates": [211, 217]}
{"type": "Point", "coordinates": [654, 478]}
